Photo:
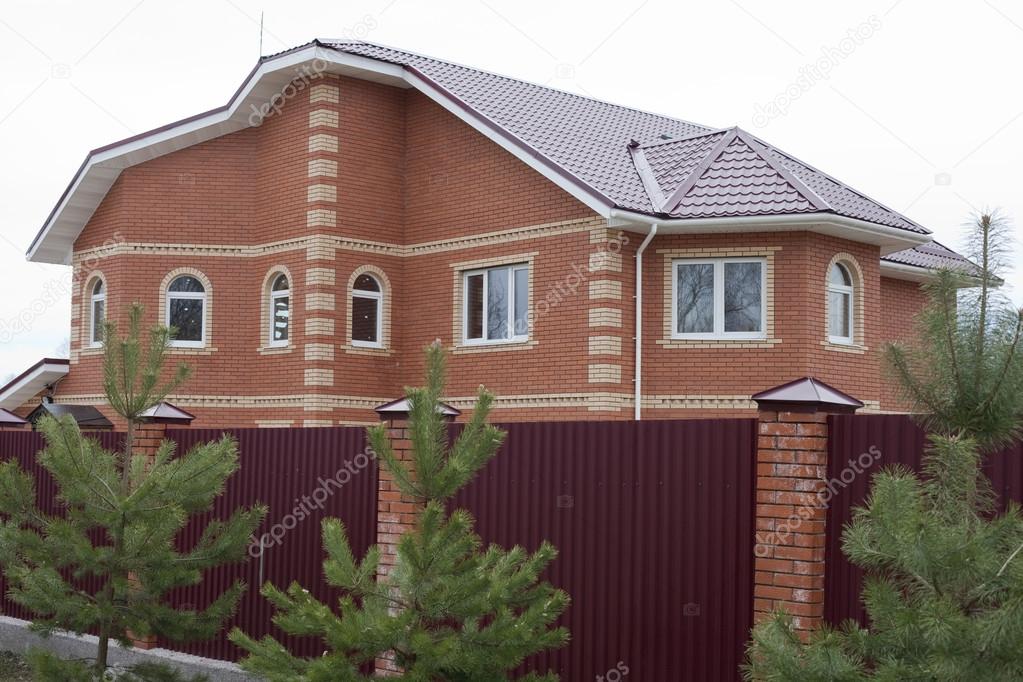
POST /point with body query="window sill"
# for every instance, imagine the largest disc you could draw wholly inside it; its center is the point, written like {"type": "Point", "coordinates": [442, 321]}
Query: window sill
{"type": "Point", "coordinates": [275, 350]}
{"type": "Point", "coordinates": [91, 350]}
{"type": "Point", "coordinates": [718, 343]}
{"type": "Point", "coordinates": [854, 348]}
{"type": "Point", "coordinates": [466, 348]}
{"type": "Point", "coordinates": [188, 350]}
{"type": "Point", "coordinates": [367, 350]}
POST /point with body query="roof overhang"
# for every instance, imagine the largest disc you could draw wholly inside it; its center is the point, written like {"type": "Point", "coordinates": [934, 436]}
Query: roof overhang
{"type": "Point", "coordinates": [889, 239]}
{"type": "Point", "coordinates": [248, 106]}
{"type": "Point", "coordinates": [32, 381]}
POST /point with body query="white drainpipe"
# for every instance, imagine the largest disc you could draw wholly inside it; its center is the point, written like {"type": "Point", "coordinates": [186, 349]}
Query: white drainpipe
{"type": "Point", "coordinates": [638, 373]}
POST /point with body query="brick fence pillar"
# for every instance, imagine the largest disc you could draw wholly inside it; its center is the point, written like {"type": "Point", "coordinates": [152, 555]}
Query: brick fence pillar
{"type": "Point", "coordinates": [792, 471]}
{"type": "Point", "coordinates": [792, 454]}
{"type": "Point", "coordinates": [149, 434]}
{"type": "Point", "coordinates": [397, 514]}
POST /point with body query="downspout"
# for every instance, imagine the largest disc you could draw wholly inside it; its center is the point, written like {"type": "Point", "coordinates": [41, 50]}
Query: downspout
{"type": "Point", "coordinates": [638, 372]}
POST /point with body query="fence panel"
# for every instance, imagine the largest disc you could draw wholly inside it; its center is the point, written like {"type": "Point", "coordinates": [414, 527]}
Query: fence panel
{"type": "Point", "coordinates": [654, 525]}
{"type": "Point", "coordinates": [283, 469]}
{"type": "Point", "coordinates": [900, 442]}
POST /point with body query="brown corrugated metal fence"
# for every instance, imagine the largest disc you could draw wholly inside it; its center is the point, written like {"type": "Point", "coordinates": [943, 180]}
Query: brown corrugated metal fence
{"type": "Point", "coordinates": [654, 525]}
{"type": "Point", "coordinates": [899, 441]}
{"type": "Point", "coordinates": [282, 468]}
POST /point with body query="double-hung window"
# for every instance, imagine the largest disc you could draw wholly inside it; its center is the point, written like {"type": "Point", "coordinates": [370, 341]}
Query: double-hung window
{"type": "Point", "coordinates": [719, 298]}
{"type": "Point", "coordinates": [496, 304]}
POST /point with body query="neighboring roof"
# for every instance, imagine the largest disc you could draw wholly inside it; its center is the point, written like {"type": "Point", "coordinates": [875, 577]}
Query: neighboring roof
{"type": "Point", "coordinates": [33, 380]}
{"type": "Point", "coordinates": [621, 162]}
{"type": "Point", "coordinates": [8, 418]}
{"type": "Point", "coordinates": [932, 256]}
{"type": "Point", "coordinates": [401, 406]}
{"type": "Point", "coordinates": [86, 416]}
{"type": "Point", "coordinates": [807, 393]}
{"type": "Point", "coordinates": [164, 412]}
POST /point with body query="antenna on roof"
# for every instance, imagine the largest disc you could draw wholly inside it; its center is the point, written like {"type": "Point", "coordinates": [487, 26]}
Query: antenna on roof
{"type": "Point", "coordinates": [261, 35]}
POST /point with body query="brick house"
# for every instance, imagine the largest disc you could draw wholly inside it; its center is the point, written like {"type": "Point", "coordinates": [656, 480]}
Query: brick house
{"type": "Point", "coordinates": [352, 203]}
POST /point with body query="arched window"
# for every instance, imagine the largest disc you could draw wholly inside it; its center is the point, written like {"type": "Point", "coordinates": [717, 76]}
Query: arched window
{"type": "Point", "coordinates": [186, 311]}
{"type": "Point", "coordinates": [841, 303]}
{"type": "Point", "coordinates": [367, 312]}
{"type": "Point", "coordinates": [97, 312]}
{"type": "Point", "coordinates": [280, 310]}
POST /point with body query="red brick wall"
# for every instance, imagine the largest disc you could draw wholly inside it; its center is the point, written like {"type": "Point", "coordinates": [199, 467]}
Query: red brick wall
{"type": "Point", "coordinates": [409, 173]}
{"type": "Point", "coordinates": [901, 301]}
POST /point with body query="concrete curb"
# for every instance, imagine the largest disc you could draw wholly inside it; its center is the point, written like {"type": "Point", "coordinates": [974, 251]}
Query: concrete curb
{"type": "Point", "coordinates": [15, 636]}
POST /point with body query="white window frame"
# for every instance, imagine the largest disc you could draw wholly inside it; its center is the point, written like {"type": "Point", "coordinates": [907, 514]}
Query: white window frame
{"type": "Point", "coordinates": [844, 290]}
{"type": "Point", "coordinates": [484, 341]}
{"type": "Point", "coordinates": [189, 295]}
{"type": "Point", "coordinates": [719, 332]}
{"type": "Point", "coordinates": [95, 298]}
{"type": "Point", "coordinates": [378, 297]}
{"type": "Point", "coordinates": [274, 295]}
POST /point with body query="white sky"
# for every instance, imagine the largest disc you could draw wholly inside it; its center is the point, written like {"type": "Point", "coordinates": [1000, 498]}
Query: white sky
{"type": "Point", "coordinates": [921, 109]}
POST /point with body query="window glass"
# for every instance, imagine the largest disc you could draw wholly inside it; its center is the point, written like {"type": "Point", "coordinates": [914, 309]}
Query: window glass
{"type": "Point", "coordinates": [497, 303]}
{"type": "Point", "coordinates": [838, 314]}
{"type": "Point", "coordinates": [364, 319]}
{"type": "Point", "coordinates": [187, 284]}
{"type": "Point", "coordinates": [186, 317]}
{"type": "Point", "coordinates": [98, 316]}
{"type": "Point", "coordinates": [839, 276]}
{"type": "Point", "coordinates": [695, 298]}
{"type": "Point", "coordinates": [521, 302]}
{"type": "Point", "coordinates": [743, 297]}
{"type": "Point", "coordinates": [474, 306]}
{"type": "Point", "coordinates": [366, 283]}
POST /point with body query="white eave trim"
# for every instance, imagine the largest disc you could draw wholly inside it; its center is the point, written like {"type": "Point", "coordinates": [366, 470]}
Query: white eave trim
{"type": "Point", "coordinates": [912, 273]}
{"type": "Point", "coordinates": [16, 394]}
{"type": "Point", "coordinates": [890, 239]}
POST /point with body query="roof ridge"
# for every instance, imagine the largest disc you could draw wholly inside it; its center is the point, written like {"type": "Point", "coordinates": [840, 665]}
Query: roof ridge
{"type": "Point", "coordinates": [792, 157]}
{"type": "Point", "coordinates": [673, 200]}
{"type": "Point", "coordinates": [684, 138]}
{"type": "Point", "coordinates": [330, 43]}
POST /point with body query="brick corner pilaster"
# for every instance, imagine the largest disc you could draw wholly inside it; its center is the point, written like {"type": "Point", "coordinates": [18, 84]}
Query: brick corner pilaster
{"type": "Point", "coordinates": [792, 454]}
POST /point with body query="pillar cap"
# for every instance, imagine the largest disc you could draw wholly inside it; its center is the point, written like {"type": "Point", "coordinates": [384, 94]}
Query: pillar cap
{"type": "Point", "coordinates": [8, 418]}
{"type": "Point", "coordinates": [165, 413]}
{"type": "Point", "coordinates": [398, 409]}
{"type": "Point", "coordinates": [806, 395]}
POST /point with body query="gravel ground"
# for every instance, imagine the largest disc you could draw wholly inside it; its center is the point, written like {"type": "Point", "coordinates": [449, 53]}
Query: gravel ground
{"type": "Point", "coordinates": [13, 668]}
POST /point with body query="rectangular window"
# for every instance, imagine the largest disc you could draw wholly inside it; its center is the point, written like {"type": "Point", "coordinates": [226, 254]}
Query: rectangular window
{"type": "Point", "coordinates": [281, 314]}
{"type": "Point", "coordinates": [719, 299]}
{"type": "Point", "coordinates": [496, 304]}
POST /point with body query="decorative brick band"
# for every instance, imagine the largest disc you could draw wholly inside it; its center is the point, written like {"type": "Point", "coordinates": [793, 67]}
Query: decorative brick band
{"type": "Point", "coordinates": [792, 459]}
{"type": "Point", "coordinates": [604, 374]}
{"type": "Point", "coordinates": [605, 288]}
{"type": "Point", "coordinates": [605, 345]}
{"type": "Point", "coordinates": [605, 317]}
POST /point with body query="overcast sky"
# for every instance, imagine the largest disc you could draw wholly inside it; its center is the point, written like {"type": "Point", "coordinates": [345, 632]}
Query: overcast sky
{"type": "Point", "coordinates": [915, 103]}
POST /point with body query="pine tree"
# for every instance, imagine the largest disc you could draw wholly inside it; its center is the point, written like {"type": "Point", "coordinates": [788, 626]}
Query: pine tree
{"type": "Point", "coordinates": [944, 573]}
{"type": "Point", "coordinates": [122, 513]}
{"type": "Point", "coordinates": [450, 609]}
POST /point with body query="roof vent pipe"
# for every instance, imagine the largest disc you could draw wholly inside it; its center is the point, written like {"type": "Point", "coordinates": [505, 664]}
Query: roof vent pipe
{"type": "Point", "coordinates": [637, 375]}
